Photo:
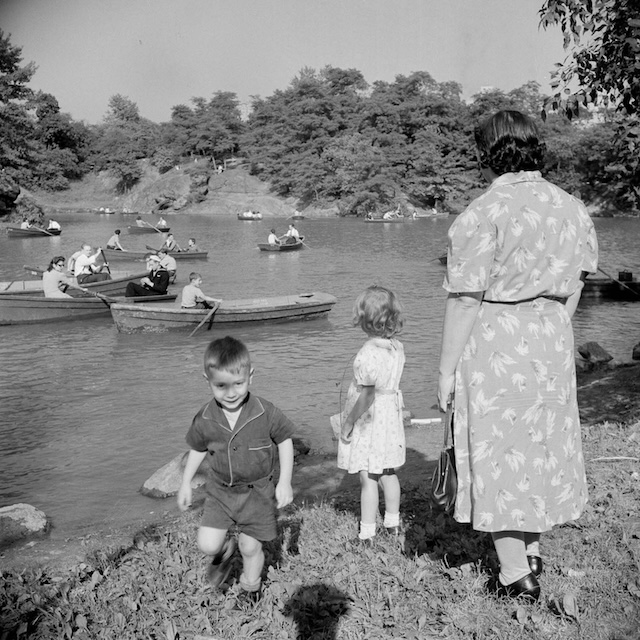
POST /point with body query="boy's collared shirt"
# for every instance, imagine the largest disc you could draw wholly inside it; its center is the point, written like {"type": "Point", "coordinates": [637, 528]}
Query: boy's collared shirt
{"type": "Point", "coordinates": [247, 452]}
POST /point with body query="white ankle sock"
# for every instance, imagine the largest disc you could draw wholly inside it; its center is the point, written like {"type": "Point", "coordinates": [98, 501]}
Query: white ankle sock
{"type": "Point", "coordinates": [367, 530]}
{"type": "Point", "coordinates": [391, 519]}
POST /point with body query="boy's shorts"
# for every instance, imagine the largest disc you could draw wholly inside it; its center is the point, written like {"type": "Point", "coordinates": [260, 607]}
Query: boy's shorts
{"type": "Point", "coordinates": [251, 507]}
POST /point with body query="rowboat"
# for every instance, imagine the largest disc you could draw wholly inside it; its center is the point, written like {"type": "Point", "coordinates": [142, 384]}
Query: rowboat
{"type": "Point", "coordinates": [32, 232]}
{"type": "Point", "coordinates": [610, 289]}
{"type": "Point", "coordinates": [250, 215]}
{"type": "Point", "coordinates": [265, 246]}
{"type": "Point", "coordinates": [443, 259]}
{"type": "Point", "coordinates": [114, 287]}
{"type": "Point", "coordinates": [113, 255]}
{"type": "Point", "coordinates": [33, 308]}
{"type": "Point", "coordinates": [136, 230]}
{"type": "Point", "coordinates": [136, 318]}
{"type": "Point", "coordinates": [385, 220]}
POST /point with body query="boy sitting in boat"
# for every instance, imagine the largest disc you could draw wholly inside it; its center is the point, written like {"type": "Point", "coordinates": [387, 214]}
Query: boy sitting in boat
{"type": "Point", "coordinates": [238, 434]}
{"type": "Point", "coordinates": [193, 297]}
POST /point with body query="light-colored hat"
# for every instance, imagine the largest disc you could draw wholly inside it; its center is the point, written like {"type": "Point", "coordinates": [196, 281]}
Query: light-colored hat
{"type": "Point", "coordinates": [154, 257]}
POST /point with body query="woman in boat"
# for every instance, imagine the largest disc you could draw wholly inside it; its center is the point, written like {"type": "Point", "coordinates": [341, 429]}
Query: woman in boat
{"type": "Point", "coordinates": [54, 281]}
{"type": "Point", "coordinates": [516, 261]}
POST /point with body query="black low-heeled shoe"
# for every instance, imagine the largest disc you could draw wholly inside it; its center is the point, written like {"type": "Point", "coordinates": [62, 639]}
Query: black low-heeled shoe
{"type": "Point", "coordinates": [535, 564]}
{"type": "Point", "coordinates": [526, 588]}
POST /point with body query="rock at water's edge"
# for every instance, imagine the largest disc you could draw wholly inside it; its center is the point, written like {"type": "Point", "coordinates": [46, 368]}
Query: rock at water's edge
{"type": "Point", "coordinates": [594, 353]}
{"type": "Point", "coordinates": [165, 482]}
{"type": "Point", "coordinates": [20, 521]}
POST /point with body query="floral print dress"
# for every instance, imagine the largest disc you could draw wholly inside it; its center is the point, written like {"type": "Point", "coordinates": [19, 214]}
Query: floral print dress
{"type": "Point", "coordinates": [378, 441]}
{"type": "Point", "coordinates": [524, 243]}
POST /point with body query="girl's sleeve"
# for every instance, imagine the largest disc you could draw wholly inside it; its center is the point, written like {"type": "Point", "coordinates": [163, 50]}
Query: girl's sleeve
{"type": "Point", "coordinates": [365, 367]}
{"type": "Point", "coordinates": [470, 252]}
{"type": "Point", "coordinates": [590, 249]}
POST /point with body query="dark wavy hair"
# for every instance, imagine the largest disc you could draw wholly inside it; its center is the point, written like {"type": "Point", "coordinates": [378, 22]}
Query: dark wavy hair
{"type": "Point", "coordinates": [509, 141]}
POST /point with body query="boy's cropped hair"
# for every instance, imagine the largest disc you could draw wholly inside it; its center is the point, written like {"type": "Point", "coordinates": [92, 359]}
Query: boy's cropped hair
{"type": "Point", "coordinates": [226, 354]}
{"type": "Point", "coordinates": [194, 275]}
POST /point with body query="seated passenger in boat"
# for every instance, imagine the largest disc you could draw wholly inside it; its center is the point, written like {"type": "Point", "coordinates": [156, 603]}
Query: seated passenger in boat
{"type": "Point", "coordinates": [170, 244]}
{"type": "Point", "coordinates": [273, 238]}
{"type": "Point", "coordinates": [54, 281]}
{"type": "Point", "coordinates": [85, 268]}
{"type": "Point", "coordinates": [140, 221]}
{"type": "Point", "coordinates": [54, 226]}
{"type": "Point", "coordinates": [155, 283]}
{"type": "Point", "coordinates": [193, 297]}
{"type": "Point", "coordinates": [192, 246]}
{"type": "Point", "coordinates": [25, 224]}
{"type": "Point", "coordinates": [169, 263]}
{"type": "Point", "coordinates": [114, 241]}
{"type": "Point", "coordinates": [162, 223]}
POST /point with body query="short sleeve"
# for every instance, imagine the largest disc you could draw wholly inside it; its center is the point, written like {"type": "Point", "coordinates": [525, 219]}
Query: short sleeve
{"type": "Point", "coordinates": [365, 367]}
{"type": "Point", "coordinates": [470, 252]}
{"type": "Point", "coordinates": [281, 428]}
{"type": "Point", "coordinates": [195, 436]}
{"type": "Point", "coordinates": [590, 254]}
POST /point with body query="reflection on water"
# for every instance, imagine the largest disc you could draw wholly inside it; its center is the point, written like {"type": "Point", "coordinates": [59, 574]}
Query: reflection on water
{"type": "Point", "coordinates": [89, 414]}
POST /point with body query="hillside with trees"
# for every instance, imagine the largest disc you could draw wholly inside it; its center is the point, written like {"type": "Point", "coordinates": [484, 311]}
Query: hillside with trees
{"type": "Point", "coordinates": [330, 140]}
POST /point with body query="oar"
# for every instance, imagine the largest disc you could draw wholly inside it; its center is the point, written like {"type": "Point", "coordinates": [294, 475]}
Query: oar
{"type": "Point", "coordinates": [618, 281]}
{"type": "Point", "coordinates": [108, 301]}
{"type": "Point", "coordinates": [209, 316]}
{"type": "Point", "coordinates": [106, 264]}
{"type": "Point", "coordinates": [33, 226]}
{"type": "Point", "coordinates": [150, 225]}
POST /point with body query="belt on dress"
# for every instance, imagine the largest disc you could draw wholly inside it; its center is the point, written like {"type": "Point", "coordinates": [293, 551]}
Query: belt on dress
{"type": "Point", "coordinates": [552, 298]}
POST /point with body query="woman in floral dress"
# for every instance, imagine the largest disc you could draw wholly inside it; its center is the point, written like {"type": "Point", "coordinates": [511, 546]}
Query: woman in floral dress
{"type": "Point", "coordinates": [516, 261]}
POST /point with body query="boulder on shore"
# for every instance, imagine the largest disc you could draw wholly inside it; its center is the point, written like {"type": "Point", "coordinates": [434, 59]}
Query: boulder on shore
{"type": "Point", "coordinates": [20, 521]}
{"type": "Point", "coordinates": [594, 354]}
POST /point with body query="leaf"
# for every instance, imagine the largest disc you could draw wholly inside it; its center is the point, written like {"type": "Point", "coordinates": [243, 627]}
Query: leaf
{"type": "Point", "coordinates": [170, 630]}
{"type": "Point", "coordinates": [570, 605]}
{"type": "Point", "coordinates": [81, 622]}
{"type": "Point", "coordinates": [521, 615]}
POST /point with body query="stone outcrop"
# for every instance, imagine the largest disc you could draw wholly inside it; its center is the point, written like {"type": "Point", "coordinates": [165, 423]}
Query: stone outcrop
{"type": "Point", "coordinates": [594, 354]}
{"type": "Point", "coordinates": [635, 355]}
{"type": "Point", "coordinates": [9, 192]}
{"type": "Point", "coordinates": [20, 521]}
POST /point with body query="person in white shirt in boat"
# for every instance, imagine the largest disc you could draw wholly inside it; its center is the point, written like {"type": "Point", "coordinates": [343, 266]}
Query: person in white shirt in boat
{"type": "Point", "coordinates": [292, 235]}
{"type": "Point", "coordinates": [25, 224]}
{"type": "Point", "coordinates": [273, 238]}
{"type": "Point", "coordinates": [168, 262]}
{"type": "Point", "coordinates": [114, 241]}
{"type": "Point", "coordinates": [54, 226]}
{"type": "Point", "coordinates": [85, 268]}
{"type": "Point", "coordinates": [193, 297]}
{"type": "Point", "coordinates": [140, 221]}
{"type": "Point", "coordinates": [54, 281]}
{"type": "Point", "coordinates": [170, 244]}
{"type": "Point", "coordinates": [162, 223]}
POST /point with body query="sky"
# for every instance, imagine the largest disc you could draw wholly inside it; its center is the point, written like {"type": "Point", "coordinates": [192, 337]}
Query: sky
{"type": "Point", "coordinates": [161, 53]}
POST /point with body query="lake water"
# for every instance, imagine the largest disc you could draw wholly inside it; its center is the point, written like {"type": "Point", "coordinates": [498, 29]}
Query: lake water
{"type": "Point", "coordinates": [88, 414]}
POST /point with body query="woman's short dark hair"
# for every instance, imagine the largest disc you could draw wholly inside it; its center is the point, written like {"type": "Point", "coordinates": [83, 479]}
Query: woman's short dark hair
{"type": "Point", "coordinates": [509, 141]}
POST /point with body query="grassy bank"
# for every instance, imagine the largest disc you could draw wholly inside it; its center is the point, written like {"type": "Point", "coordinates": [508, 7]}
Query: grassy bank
{"type": "Point", "coordinates": [319, 583]}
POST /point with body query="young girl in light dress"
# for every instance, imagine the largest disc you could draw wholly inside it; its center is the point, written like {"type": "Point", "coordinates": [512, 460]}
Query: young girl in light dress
{"type": "Point", "coordinates": [371, 431]}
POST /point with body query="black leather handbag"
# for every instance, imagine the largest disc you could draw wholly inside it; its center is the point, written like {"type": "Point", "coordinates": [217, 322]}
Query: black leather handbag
{"type": "Point", "coordinates": [444, 483]}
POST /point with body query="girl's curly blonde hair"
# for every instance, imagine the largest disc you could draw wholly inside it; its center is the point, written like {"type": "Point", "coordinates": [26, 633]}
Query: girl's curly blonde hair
{"type": "Point", "coordinates": [378, 312]}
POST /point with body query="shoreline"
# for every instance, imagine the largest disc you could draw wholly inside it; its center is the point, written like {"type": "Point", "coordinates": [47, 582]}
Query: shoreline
{"type": "Point", "coordinates": [604, 395]}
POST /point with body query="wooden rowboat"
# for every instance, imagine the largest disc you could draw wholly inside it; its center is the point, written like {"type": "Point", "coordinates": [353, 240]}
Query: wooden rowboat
{"type": "Point", "coordinates": [610, 289]}
{"type": "Point", "coordinates": [385, 220]}
{"type": "Point", "coordinates": [265, 246]}
{"type": "Point", "coordinates": [113, 255]}
{"type": "Point", "coordinates": [250, 215]}
{"type": "Point", "coordinates": [34, 308]}
{"type": "Point", "coordinates": [136, 230]}
{"type": "Point", "coordinates": [32, 232]}
{"type": "Point", "coordinates": [114, 287]}
{"type": "Point", "coordinates": [135, 318]}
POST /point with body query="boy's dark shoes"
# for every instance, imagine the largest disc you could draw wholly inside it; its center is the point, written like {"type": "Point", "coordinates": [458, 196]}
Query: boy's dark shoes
{"type": "Point", "coordinates": [248, 599]}
{"type": "Point", "coordinates": [218, 572]}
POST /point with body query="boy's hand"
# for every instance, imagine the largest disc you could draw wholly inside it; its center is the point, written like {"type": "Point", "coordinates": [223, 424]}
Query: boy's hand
{"type": "Point", "coordinates": [184, 496]}
{"type": "Point", "coordinates": [284, 494]}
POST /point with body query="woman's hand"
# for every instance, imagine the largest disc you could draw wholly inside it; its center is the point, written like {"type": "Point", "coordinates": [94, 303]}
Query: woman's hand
{"type": "Point", "coordinates": [446, 385]}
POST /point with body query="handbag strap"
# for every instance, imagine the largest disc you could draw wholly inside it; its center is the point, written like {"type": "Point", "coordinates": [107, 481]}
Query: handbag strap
{"type": "Point", "coordinates": [448, 424]}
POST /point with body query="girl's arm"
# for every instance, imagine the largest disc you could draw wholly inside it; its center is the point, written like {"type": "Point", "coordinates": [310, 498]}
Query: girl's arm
{"type": "Point", "coordinates": [190, 468]}
{"type": "Point", "coordinates": [460, 314]}
{"type": "Point", "coordinates": [364, 401]}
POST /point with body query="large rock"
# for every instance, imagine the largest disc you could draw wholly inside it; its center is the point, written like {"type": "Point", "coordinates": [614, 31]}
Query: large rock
{"type": "Point", "coordinates": [9, 192]}
{"type": "Point", "coordinates": [635, 355]}
{"type": "Point", "coordinates": [166, 481]}
{"type": "Point", "coordinates": [20, 521]}
{"type": "Point", "coordinates": [594, 353]}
